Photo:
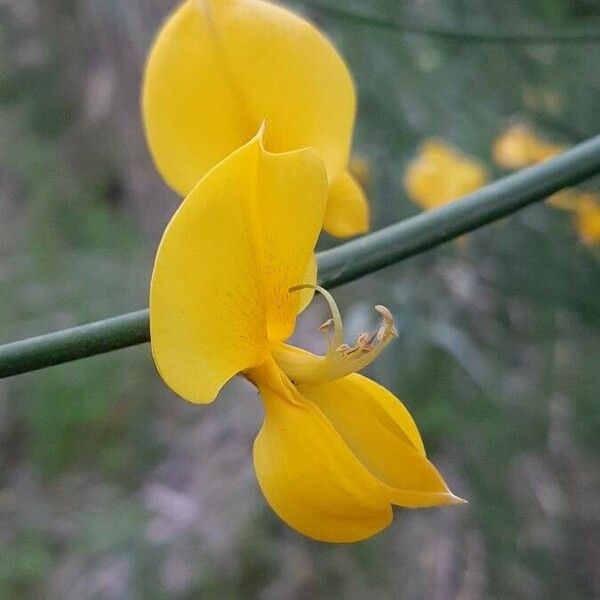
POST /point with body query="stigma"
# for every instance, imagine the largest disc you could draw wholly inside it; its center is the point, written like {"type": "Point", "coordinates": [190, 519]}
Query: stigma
{"type": "Point", "coordinates": [341, 358]}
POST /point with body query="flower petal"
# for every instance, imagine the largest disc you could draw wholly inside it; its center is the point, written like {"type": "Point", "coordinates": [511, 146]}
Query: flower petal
{"type": "Point", "coordinates": [207, 314]}
{"type": "Point", "coordinates": [308, 474]}
{"type": "Point", "coordinates": [386, 408]}
{"type": "Point", "coordinates": [225, 264]}
{"type": "Point", "coordinates": [310, 277]}
{"type": "Point", "coordinates": [384, 438]}
{"type": "Point", "coordinates": [347, 210]}
{"type": "Point", "coordinates": [441, 174]}
{"type": "Point", "coordinates": [219, 68]}
{"type": "Point", "coordinates": [288, 214]}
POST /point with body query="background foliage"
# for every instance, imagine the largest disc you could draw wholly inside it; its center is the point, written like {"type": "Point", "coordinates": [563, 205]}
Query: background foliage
{"type": "Point", "coordinates": [110, 487]}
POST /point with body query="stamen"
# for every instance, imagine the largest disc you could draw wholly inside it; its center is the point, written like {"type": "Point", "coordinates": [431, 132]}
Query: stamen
{"type": "Point", "coordinates": [388, 320]}
{"type": "Point", "coordinates": [324, 327]}
{"type": "Point", "coordinates": [362, 342]}
{"type": "Point", "coordinates": [384, 312]}
{"type": "Point", "coordinates": [341, 359]}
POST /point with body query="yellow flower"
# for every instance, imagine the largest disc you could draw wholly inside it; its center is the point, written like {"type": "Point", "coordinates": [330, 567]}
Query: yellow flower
{"type": "Point", "coordinates": [335, 450]}
{"type": "Point", "coordinates": [220, 68]}
{"type": "Point", "coordinates": [519, 147]}
{"type": "Point", "coordinates": [587, 218]}
{"type": "Point", "coordinates": [585, 207]}
{"type": "Point", "coordinates": [441, 174]}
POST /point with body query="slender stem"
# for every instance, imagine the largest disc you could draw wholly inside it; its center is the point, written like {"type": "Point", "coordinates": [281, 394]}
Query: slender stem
{"type": "Point", "coordinates": [74, 343]}
{"type": "Point", "coordinates": [340, 265]}
{"type": "Point", "coordinates": [563, 36]}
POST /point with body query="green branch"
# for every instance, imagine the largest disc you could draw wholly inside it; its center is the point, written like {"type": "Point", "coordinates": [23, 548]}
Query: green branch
{"type": "Point", "coordinates": [564, 36]}
{"type": "Point", "coordinates": [340, 265]}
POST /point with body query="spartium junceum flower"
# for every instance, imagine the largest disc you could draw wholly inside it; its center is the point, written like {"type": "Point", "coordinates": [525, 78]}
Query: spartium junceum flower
{"type": "Point", "coordinates": [587, 217]}
{"type": "Point", "coordinates": [335, 450]}
{"type": "Point", "coordinates": [440, 174]}
{"type": "Point", "coordinates": [519, 146]}
{"type": "Point", "coordinates": [585, 208]}
{"type": "Point", "coordinates": [219, 68]}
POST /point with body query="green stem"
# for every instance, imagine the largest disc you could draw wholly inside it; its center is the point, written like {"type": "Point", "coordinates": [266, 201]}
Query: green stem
{"type": "Point", "coordinates": [74, 343]}
{"type": "Point", "coordinates": [340, 265]}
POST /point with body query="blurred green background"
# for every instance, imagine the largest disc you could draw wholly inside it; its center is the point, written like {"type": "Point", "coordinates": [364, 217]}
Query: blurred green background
{"type": "Point", "coordinates": [112, 487]}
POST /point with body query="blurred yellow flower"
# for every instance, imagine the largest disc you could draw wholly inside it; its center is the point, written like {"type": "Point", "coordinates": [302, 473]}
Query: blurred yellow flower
{"type": "Point", "coordinates": [335, 450]}
{"type": "Point", "coordinates": [220, 68]}
{"type": "Point", "coordinates": [587, 218]}
{"type": "Point", "coordinates": [441, 174]}
{"type": "Point", "coordinates": [565, 199]}
{"type": "Point", "coordinates": [519, 147]}
{"type": "Point", "coordinates": [585, 207]}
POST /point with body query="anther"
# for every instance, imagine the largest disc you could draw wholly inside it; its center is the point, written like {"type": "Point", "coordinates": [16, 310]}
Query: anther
{"type": "Point", "coordinates": [363, 342]}
{"type": "Point", "coordinates": [324, 327]}
{"type": "Point", "coordinates": [372, 338]}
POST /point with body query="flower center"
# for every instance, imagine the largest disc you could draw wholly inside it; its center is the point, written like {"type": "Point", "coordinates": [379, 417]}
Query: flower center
{"type": "Point", "coordinates": [341, 358]}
